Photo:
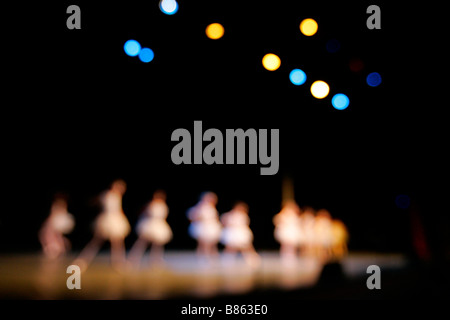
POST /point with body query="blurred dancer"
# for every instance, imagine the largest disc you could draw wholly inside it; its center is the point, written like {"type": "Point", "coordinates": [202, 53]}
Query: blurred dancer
{"type": "Point", "coordinates": [340, 239]}
{"type": "Point", "coordinates": [237, 235]}
{"type": "Point", "coordinates": [323, 235]}
{"type": "Point", "coordinates": [287, 230]}
{"type": "Point", "coordinates": [205, 225]}
{"type": "Point", "coordinates": [307, 240]}
{"type": "Point", "coordinates": [111, 225]}
{"type": "Point", "coordinates": [58, 223]}
{"type": "Point", "coordinates": [152, 228]}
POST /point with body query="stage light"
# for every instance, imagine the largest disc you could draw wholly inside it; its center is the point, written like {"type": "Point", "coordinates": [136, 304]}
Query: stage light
{"type": "Point", "coordinates": [373, 79]}
{"type": "Point", "coordinates": [320, 89]}
{"type": "Point", "coordinates": [271, 62]}
{"type": "Point", "coordinates": [356, 65]}
{"type": "Point", "coordinates": [308, 27]}
{"type": "Point", "coordinates": [297, 77]}
{"type": "Point", "coordinates": [215, 31]}
{"type": "Point", "coordinates": [340, 101]}
{"type": "Point", "coordinates": [146, 55]}
{"type": "Point", "coordinates": [132, 48]}
{"type": "Point", "coordinates": [168, 7]}
{"type": "Point", "coordinates": [333, 46]}
{"type": "Point", "coordinates": [402, 201]}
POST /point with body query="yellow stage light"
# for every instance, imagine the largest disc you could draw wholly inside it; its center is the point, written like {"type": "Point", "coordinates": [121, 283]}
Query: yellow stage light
{"type": "Point", "coordinates": [308, 27]}
{"type": "Point", "coordinates": [271, 62]}
{"type": "Point", "coordinates": [215, 31]}
{"type": "Point", "coordinates": [320, 89]}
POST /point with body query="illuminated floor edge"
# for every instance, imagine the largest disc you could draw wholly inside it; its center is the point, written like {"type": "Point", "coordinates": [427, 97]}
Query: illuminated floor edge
{"type": "Point", "coordinates": [181, 275]}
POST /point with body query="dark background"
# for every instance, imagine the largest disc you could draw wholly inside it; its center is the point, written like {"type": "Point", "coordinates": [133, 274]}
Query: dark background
{"type": "Point", "coordinates": [84, 113]}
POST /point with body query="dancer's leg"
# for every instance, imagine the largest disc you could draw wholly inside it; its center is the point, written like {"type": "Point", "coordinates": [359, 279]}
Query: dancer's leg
{"type": "Point", "coordinates": [117, 252]}
{"type": "Point", "coordinates": [157, 253]}
{"type": "Point", "coordinates": [89, 252]}
{"type": "Point", "coordinates": [137, 251]}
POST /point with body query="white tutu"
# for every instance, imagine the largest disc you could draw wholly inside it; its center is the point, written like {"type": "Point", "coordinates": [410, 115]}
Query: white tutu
{"type": "Point", "coordinates": [62, 222]}
{"type": "Point", "coordinates": [288, 227]}
{"type": "Point", "coordinates": [307, 236]}
{"type": "Point", "coordinates": [340, 235]}
{"type": "Point", "coordinates": [205, 225]}
{"type": "Point", "coordinates": [208, 231]}
{"type": "Point", "coordinates": [287, 234]}
{"type": "Point", "coordinates": [112, 225]}
{"type": "Point", "coordinates": [154, 230]}
{"type": "Point", "coordinates": [323, 235]}
{"type": "Point", "coordinates": [302, 237]}
{"type": "Point", "coordinates": [237, 236]}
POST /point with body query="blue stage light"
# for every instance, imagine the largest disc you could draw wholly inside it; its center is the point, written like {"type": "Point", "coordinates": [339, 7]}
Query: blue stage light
{"type": "Point", "coordinates": [402, 201]}
{"type": "Point", "coordinates": [373, 79]}
{"type": "Point", "coordinates": [333, 46]}
{"type": "Point", "coordinates": [340, 101]}
{"type": "Point", "coordinates": [132, 48]}
{"type": "Point", "coordinates": [297, 77]}
{"type": "Point", "coordinates": [168, 7]}
{"type": "Point", "coordinates": [146, 55]}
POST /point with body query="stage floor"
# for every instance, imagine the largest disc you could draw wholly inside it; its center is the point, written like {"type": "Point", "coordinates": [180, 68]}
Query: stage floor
{"type": "Point", "coordinates": [182, 275]}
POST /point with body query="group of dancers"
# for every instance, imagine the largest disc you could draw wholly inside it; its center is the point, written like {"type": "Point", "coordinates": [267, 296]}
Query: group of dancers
{"type": "Point", "coordinates": [298, 231]}
{"type": "Point", "coordinates": [306, 232]}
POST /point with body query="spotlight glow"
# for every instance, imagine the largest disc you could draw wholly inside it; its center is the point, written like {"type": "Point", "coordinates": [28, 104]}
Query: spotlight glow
{"type": "Point", "coordinates": [320, 89]}
{"type": "Point", "coordinates": [340, 101]}
{"type": "Point", "coordinates": [132, 48]}
{"type": "Point", "coordinates": [215, 31]}
{"type": "Point", "coordinates": [146, 55]}
{"type": "Point", "coordinates": [168, 7]}
{"type": "Point", "coordinates": [333, 46]}
{"type": "Point", "coordinates": [402, 201]}
{"type": "Point", "coordinates": [271, 62]}
{"type": "Point", "coordinates": [373, 79]}
{"type": "Point", "coordinates": [356, 65]}
{"type": "Point", "coordinates": [297, 77]}
{"type": "Point", "coordinates": [309, 27]}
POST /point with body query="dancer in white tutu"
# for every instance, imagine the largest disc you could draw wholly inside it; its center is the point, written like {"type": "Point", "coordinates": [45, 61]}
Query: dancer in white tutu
{"type": "Point", "coordinates": [237, 235]}
{"type": "Point", "coordinates": [111, 225]}
{"type": "Point", "coordinates": [340, 239]}
{"type": "Point", "coordinates": [323, 235]}
{"type": "Point", "coordinates": [152, 228]}
{"type": "Point", "coordinates": [287, 230]}
{"type": "Point", "coordinates": [205, 226]}
{"type": "Point", "coordinates": [58, 223]}
{"type": "Point", "coordinates": [307, 238]}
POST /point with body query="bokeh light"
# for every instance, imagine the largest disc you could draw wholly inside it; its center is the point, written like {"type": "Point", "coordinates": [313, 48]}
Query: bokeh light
{"type": "Point", "coordinates": [373, 79]}
{"type": "Point", "coordinates": [402, 201]}
{"type": "Point", "coordinates": [308, 27]}
{"type": "Point", "coordinates": [340, 101]}
{"type": "Point", "coordinates": [297, 77]}
{"type": "Point", "coordinates": [168, 7]}
{"type": "Point", "coordinates": [132, 48]}
{"type": "Point", "coordinates": [320, 89]}
{"type": "Point", "coordinates": [333, 46]}
{"type": "Point", "coordinates": [356, 65]}
{"type": "Point", "coordinates": [215, 31]}
{"type": "Point", "coordinates": [271, 62]}
{"type": "Point", "coordinates": [146, 55]}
